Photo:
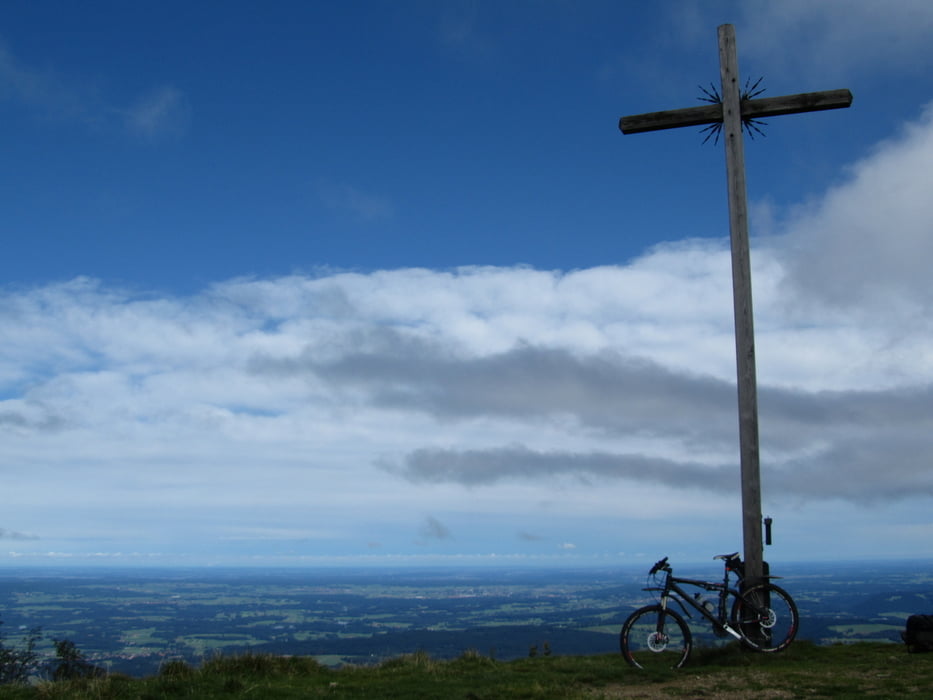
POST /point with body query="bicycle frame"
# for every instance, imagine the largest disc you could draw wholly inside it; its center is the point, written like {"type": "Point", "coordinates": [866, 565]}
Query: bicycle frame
{"type": "Point", "coordinates": [672, 590]}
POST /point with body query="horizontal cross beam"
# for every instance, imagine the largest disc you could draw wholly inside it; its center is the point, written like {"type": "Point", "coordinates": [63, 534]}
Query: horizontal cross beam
{"type": "Point", "coordinates": [751, 109]}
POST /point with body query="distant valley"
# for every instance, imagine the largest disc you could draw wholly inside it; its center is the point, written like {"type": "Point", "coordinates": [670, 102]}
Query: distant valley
{"type": "Point", "coordinates": [132, 621]}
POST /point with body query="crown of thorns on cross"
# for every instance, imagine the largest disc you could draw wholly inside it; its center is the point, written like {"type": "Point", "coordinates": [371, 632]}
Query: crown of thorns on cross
{"type": "Point", "coordinates": [750, 92]}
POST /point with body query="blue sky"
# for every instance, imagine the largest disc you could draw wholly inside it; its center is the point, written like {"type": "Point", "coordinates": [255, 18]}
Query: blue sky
{"type": "Point", "coordinates": [383, 282]}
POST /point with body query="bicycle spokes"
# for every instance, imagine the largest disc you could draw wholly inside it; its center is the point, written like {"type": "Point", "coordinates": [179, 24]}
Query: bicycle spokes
{"type": "Point", "coordinates": [770, 625]}
{"type": "Point", "coordinates": [654, 638]}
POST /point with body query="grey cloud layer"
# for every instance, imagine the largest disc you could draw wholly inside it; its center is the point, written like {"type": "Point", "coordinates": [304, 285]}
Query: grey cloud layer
{"type": "Point", "coordinates": [475, 467]}
{"type": "Point", "coordinates": [607, 391]}
{"type": "Point", "coordinates": [13, 535]}
{"type": "Point", "coordinates": [855, 445]}
{"type": "Point", "coordinates": [882, 468]}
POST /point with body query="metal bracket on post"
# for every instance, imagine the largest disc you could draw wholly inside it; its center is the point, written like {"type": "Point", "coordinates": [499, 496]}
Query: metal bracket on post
{"type": "Point", "coordinates": [768, 522]}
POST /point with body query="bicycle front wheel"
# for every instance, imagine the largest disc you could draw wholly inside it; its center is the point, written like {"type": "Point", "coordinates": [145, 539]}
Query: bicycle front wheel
{"type": "Point", "coordinates": [766, 616]}
{"type": "Point", "coordinates": [655, 638]}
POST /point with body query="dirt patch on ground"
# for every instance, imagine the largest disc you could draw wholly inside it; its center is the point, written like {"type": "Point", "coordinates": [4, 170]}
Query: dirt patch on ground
{"type": "Point", "coordinates": [706, 686]}
{"type": "Point", "coordinates": [746, 684]}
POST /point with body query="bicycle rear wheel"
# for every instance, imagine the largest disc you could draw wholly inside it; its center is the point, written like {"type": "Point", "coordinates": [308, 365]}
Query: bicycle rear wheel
{"type": "Point", "coordinates": [767, 618]}
{"type": "Point", "coordinates": [655, 638]}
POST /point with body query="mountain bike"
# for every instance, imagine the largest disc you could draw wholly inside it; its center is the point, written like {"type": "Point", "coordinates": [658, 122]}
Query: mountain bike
{"type": "Point", "coordinates": [763, 617]}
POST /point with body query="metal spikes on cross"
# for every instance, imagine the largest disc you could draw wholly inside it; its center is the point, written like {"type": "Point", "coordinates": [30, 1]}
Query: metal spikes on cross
{"type": "Point", "coordinates": [731, 112]}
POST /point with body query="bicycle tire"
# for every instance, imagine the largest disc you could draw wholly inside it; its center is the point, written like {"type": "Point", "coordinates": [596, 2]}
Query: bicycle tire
{"type": "Point", "coordinates": [771, 628]}
{"type": "Point", "coordinates": [655, 638]}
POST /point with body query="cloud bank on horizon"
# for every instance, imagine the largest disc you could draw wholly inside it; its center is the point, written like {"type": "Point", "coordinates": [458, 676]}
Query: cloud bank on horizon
{"type": "Point", "coordinates": [346, 406]}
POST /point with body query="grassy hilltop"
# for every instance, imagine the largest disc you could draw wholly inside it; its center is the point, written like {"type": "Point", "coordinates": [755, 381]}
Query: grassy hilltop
{"type": "Point", "coordinates": [804, 671]}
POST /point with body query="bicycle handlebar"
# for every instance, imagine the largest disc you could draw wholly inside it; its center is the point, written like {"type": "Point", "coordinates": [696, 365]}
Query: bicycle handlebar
{"type": "Point", "coordinates": [658, 565]}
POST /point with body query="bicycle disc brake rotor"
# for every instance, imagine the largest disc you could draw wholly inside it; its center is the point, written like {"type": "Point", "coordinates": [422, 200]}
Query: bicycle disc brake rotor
{"type": "Point", "coordinates": [657, 641]}
{"type": "Point", "coordinates": [768, 621]}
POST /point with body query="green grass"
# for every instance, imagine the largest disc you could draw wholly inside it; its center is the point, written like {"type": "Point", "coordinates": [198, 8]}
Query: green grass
{"type": "Point", "coordinates": [803, 671]}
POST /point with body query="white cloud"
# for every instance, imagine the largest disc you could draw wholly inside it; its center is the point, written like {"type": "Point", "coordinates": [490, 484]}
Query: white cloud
{"type": "Point", "coordinates": [159, 112]}
{"type": "Point", "coordinates": [321, 411]}
{"type": "Point", "coordinates": [363, 206]}
{"type": "Point", "coordinates": [867, 244]}
{"type": "Point", "coordinates": [55, 93]}
{"type": "Point", "coordinates": [44, 90]}
{"type": "Point", "coordinates": [832, 37]}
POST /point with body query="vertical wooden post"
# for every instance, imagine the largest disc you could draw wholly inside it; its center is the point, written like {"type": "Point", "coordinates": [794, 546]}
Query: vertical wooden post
{"type": "Point", "coordinates": [729, 113]}
{"type": "Point", "coordinates": [742, 300]}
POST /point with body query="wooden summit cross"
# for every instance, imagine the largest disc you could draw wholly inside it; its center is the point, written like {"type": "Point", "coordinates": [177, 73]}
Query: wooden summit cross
{"type": "Point", "coordinates": [731, 112]}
